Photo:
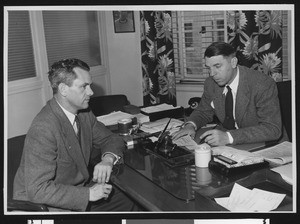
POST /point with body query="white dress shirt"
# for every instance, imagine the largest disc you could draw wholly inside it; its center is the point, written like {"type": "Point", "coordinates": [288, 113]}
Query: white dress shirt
{"type": "Point", "coordinates": [234, 87]}
{"type": "Point", "coordinates": [71, 118]}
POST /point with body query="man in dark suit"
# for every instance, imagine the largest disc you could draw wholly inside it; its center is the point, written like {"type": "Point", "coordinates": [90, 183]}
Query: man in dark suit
{"type": "Point", "coordinates": [58, 146]}
{"type": "Point", "coordinates": [255, 111]}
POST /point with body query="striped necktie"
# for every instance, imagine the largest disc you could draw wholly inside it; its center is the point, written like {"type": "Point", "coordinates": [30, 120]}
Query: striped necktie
{"type": "Point", "coordinates": [78, 127]}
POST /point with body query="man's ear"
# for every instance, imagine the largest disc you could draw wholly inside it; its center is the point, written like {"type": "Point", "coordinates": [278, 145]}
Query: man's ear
{"type": "Point", "coordinates": [234, 62]}
{"type": "Point", "coordinates": [62, 89]}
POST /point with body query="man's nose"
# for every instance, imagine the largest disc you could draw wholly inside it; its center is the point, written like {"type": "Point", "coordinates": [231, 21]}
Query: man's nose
{"type": "Point", "coordinates": [212, 72]}
{"type": "Point", "coordinates": [89, 91]}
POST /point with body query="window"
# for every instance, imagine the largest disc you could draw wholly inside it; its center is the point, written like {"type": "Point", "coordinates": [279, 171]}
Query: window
{"type": "Point", "coordinates": [20, 49]}
{"type": "Point", "coordinates": [193, 32]}
{"type": "Point", "coordinates": [72, 34]}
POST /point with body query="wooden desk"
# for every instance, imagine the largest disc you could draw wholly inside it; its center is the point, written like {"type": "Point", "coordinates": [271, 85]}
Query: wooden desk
{"type": "Point", "coordinates": [158, 187]}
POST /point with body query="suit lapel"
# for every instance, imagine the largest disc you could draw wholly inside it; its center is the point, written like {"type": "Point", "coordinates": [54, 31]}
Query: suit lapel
{"type": "Point", "coordinates": [70, 139]}
{"type": "Point", "coordinates": [242, 97]}
{"type": "Point", "coordinates": [85, 139]}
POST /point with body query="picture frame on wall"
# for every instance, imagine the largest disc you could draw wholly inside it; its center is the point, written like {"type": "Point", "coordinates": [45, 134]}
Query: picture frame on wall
{"type": "Point", "coordinates": [123, 21]}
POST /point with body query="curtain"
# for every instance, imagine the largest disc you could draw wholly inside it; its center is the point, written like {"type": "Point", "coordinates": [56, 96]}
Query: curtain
{"type": "Point", "coordinates": [157, 58]}
{"type": "Point", "coordinates": [257, 37]}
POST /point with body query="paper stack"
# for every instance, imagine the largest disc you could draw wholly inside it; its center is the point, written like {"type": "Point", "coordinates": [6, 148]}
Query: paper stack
{"type": "Point", "coordinates": [114, 117]}
{"type": "Point", "coordinates": [242, 199]}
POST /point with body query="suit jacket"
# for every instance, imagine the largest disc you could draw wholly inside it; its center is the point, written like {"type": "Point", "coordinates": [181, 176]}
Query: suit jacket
{"type": "Point", "coordinates": [53, 168]}
{"type": "Point", "coordinates": [257, 110]}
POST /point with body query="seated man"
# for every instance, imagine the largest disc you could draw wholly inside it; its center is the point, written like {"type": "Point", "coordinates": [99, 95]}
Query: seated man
{"type": "Point", "coordinates": [58, 145]}
{"type": "Point", "coordinates": [255, 113]}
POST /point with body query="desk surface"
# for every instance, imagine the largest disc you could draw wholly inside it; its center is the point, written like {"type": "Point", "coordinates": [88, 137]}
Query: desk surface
{"type": "Point", "coordinates": [159, 187]}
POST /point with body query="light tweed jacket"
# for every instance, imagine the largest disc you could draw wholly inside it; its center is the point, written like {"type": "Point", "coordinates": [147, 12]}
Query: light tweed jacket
{"type": "Point", "coordinates": [53, 168]}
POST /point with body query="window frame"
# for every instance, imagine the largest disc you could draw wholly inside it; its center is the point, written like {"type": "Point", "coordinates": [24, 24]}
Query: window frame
{"type": "Point", "coordinates": [40, 81]}
{"type": "Point", "coordinates": [184, 77]}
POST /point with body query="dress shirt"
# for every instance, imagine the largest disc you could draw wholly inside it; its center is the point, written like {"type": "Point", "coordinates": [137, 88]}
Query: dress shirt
{"type": "Point", "coordinates": [234, 86]}
{"type": "Point", "coordinates": [71, 118]}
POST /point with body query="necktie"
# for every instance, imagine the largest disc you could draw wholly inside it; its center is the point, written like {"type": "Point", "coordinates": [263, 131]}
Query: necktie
{"type": "Point", "coordinates": [78, 127]}
{"type": "Point", "coordinates": [229, 120]}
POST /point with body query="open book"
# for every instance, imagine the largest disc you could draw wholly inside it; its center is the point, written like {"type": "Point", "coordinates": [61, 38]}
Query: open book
{"type": "Point", "coordinates": [277, 155]}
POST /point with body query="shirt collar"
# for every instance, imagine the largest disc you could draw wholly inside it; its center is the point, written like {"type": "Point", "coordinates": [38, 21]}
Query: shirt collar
{"type": "Point", "coordinates": [234, 84]}
{"type": "Point", "coordinates": [69, 115]}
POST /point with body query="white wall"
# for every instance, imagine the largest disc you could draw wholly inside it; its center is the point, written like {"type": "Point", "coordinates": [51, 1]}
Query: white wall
{"type": "Point", "coordinates": [124, 52]}
{"type": "Point", "coordinates": [23, 104]}
{"type": "Point", "coordinates": [123, 75]}
{"type": "Point", "coordinates": [186, 91]}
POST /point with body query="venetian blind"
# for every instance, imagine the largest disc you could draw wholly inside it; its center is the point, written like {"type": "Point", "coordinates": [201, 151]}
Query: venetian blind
{"type": "Point", "coordinates": [20, 49]}
{"type": "Point", "coordinates": [72, 34]}
{"type": "Point", "coordinates": [193, 32]}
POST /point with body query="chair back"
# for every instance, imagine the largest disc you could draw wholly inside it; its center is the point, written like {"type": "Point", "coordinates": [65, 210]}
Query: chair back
{"type": "Point", "coordinates": [14, 153]}
{"type": "Point", "coordinates": [101, 105]}
{"type": "Point", "coordinates": [285, 100]}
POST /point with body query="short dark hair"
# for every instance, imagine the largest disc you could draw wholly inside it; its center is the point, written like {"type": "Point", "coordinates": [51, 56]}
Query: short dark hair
{"type": "Point", "coordinates": [219, 48]}
{"type": "Point", "coordinates": [63, 72]}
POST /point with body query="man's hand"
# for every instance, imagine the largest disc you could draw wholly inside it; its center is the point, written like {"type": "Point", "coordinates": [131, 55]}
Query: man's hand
{"type": "Point", "coordinates": [186, 130]}
{"type": "Point", "coordinates": [215, 137]}
{"type": "Point", "coordinates": [103, 169]}
{"type": "Point", "coordinates": [99, 191]}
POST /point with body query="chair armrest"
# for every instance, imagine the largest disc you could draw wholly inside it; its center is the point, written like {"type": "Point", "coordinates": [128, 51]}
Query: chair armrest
{"type": "Point", "coordinates": [17, 205]}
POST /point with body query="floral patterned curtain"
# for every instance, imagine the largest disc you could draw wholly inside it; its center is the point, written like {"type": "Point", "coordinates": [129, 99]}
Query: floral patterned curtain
{"type": "Point", "coordinates": [157, 58]}
{"type": "Point", "coordinates": [257, 36]}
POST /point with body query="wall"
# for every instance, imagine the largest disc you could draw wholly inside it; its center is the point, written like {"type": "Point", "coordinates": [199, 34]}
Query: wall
{"type": "Point", "coordinates": [22, 106]}
{"type": "Point", "coordinates": [125, 61]}
{"type": "Point", "coordinates": [186, 91]}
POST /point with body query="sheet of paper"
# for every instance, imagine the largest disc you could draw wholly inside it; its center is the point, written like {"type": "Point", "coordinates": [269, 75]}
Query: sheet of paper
{"type": "Point", "coordinates": [222, 201]}
{"type": "Point", "coordinates": [244, 200]}
{"type": "Point", "coordinates": [157, 108]}
{"type": "Point", "coordinates": [286, 172]}
{"type": "Point", "coordinates": [159, 125]}
{"type": "Point", "coordinates": [186, 141]}
{"type": "Point", "coordinates": [113, 118]}
{"type": "Point", "coordinates": [278, 154]}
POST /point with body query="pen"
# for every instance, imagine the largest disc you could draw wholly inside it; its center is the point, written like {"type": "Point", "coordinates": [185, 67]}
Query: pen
{"type": "Point", "coordinates": [161, 133]}
{"type": "Point", "coordinates": [203, 139]}
{"type": "Point", "coordinates": [159, 140]}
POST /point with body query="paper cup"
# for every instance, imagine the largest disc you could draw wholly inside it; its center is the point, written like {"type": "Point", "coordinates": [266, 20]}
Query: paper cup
{"type": "Point", "coordinates": [202, 155]}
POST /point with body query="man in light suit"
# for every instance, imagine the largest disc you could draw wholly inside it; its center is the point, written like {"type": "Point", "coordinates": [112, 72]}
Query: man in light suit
{"type": "Point", "coordinates": [57, 152]}
{"type": "Point", "coordinates": [256, 110]}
